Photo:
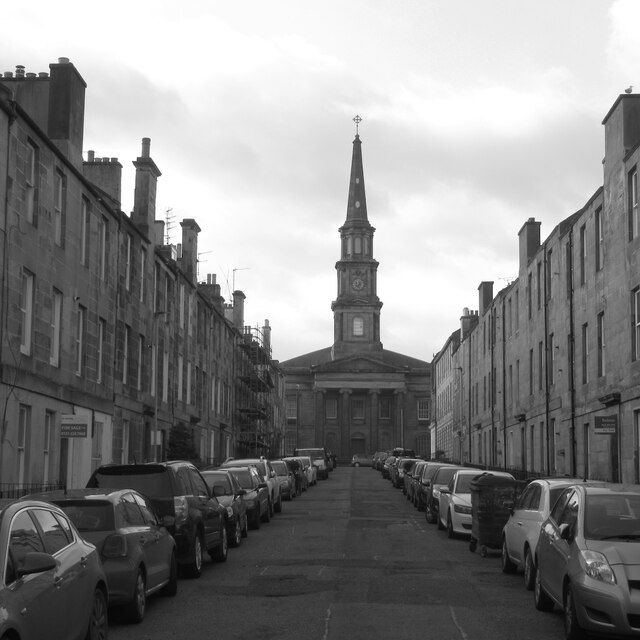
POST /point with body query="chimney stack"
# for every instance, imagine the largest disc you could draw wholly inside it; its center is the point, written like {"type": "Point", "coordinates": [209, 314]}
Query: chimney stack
{"type": "Point", "coordinates": [65, 124]}
{"type": "Point", "coordinates": [189, 260]}
{"type": "Point", "coordinates": [486, 296]}
{"type": "Point", "coordinates": [529, 236]}
{"type": "Point", "coordinates": [106, 174]}
{"type": "Point", "coordinates": [144, 200]}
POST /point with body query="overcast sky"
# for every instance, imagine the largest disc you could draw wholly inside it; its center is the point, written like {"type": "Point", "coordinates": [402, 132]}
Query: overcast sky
{"type": "Point", "coordinates": [477, 115]}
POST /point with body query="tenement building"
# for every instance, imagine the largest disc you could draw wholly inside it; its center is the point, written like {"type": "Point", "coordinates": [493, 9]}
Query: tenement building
{"type": "Point", "coordinates": [545, 375]}
{"type": "Point", "coordinates": [355, 396]}
{"type": "Point", "coordinates": [109, 345]}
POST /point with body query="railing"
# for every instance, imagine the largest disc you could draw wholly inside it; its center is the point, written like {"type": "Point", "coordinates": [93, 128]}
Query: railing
{"type": "Point", "coordinates": [14, 490]}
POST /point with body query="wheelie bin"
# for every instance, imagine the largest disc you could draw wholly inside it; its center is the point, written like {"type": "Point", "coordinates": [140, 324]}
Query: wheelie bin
{"type": "Point", "coordinates": [492, 497]}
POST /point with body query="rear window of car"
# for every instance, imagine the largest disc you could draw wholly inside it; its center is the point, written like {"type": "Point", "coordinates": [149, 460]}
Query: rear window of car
{"type": "Point", "coordinates": [280, 468]}
{"type": "Point", "coordinates": [464, 483]}
{"type": "Point", "coordinates": [219, 483]}
{"type": "Point", "coordinates": [243, 477]}
{"type": "Point", "coordinates": [89, 515]}
{"type": "Point", "coordinates": [151, 482]}
{"type": "Point", "coordinates": [444, 475]}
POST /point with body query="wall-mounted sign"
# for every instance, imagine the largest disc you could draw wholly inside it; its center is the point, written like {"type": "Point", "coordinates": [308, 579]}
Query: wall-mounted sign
{"type": "Point", "coordinates": [607, 425]}
{"type": "Point", "coordinates": [72, 426]}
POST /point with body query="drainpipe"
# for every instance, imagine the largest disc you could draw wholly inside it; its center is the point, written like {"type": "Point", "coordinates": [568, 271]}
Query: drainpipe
{"type": "Point", "coordinates": [572, 351]}
{"type": "Point", "coordinates": [504, 387]}
{"type": "Point", "coordinates": [546, 351]}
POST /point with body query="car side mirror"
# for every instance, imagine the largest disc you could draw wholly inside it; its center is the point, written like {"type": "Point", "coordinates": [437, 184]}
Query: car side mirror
{"type": "Point", "coordinates": [168, 521]}
{"type": "Point", "coordinates": [565, 531]}
{"type": "Point", "coordinates": [445, 490]}
{"type": "Point", "coordinates": [36, 562]}
{"type": "Point", "coordinates": [263, 485]}
{"type": "Point", "coordinates": [242, 492]}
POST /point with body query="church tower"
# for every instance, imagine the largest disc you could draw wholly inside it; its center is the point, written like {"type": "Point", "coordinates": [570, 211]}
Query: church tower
{"type": "Point", "coordinates": [356, 310]}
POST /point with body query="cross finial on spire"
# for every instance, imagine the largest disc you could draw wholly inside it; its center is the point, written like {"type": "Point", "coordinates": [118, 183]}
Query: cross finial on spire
{"type": "Point", "coordinates": [357, 120]}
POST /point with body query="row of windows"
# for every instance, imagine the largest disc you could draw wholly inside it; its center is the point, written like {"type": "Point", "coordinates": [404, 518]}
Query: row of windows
{"type": "Point", "coordinates": [220, 391]}
{"type": "Point", "coordinates": [357, 408]}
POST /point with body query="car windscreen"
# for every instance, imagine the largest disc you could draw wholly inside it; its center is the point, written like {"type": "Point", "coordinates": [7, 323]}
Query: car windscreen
{"type": "Point", "coordinates": [89, 515]}
{"type": "Point", "coordinates": [154, 483]}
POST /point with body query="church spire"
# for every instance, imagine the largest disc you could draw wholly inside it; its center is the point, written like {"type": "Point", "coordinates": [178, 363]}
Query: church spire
{"type": "Point", "coordinates": [357, 201]}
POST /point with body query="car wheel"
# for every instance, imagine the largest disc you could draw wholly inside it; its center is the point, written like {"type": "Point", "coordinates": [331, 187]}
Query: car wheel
{"type": "Point", "coordinates": [245, 529]}
{"type": "Point", "coordinates": [171, 588]}
{"type": "Point", "coordinates": [356, 464]}
{"type": "Point", "coordinates": [542, 601]}
{"type": "Point", "coordinates": [439, 522]}
{"type": "Point", "coordinates": [255, 518]}
{"type": "Point", "coordinates": [529, 570]}
{"type": "Point", "coordinates": [237, 534]}
{"type": "Point", "coordinates": [450, 532]}
{"type": "Point", "coordinates": [194, 568]}
{"type": "Point", "coordinates": [99, 620]}
{"type": "Point", "coordinates": [428, 515]}
{"type": "Point", "coordinates": [219, 553]}
{"type": "Point", "coordinates": [271, 509]}
{"type": "Point", "coordinates": [278, 505]}
{"type": "Point", "coordinates": [572, 629]}
{"type": "Point", "coordinates": [136, 608]}
{"type": "Point", "coordinates": [420, 505]}
{"type": "Point", "coordinates": [507, 565]}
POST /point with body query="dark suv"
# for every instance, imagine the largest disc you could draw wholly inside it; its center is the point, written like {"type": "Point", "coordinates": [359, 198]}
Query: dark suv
{"type": "Point", "coordinates": [182, 498]}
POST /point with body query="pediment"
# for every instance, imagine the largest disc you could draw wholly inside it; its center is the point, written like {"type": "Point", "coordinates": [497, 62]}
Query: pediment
{"type": "Point", "coordinates": [357, 364]}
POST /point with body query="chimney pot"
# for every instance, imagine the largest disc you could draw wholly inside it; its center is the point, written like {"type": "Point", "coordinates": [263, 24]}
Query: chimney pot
{"type": "Point", "coordinates": [63, 60]}
{"type": "Point", "coordinates": [43, 74]}
{"type": "Point", "coordinates": [19, 71]}
{"type": "Point", "coordinates": [30, 74]}
{"type": "Point", "coordinates": [146, 147]}
{"type": "Point", "coordinates": [90, 156]}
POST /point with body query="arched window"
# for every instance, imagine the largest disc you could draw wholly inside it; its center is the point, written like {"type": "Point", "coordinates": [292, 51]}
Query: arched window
{"type": "Point", "coordinates": [358, 326]}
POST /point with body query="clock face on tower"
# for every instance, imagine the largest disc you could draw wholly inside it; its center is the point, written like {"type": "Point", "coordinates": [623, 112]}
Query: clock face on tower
{"type": "Point", "coordinates": [357, 284]}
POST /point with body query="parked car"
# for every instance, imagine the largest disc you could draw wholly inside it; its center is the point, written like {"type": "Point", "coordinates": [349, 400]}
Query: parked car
{"type": "Point", "coordinates": [224, 486]}
{"type": "Point", "coordinates": [137, 552]}
{"type": "Point", "coordinates": [588, 561]}
{"type": "Point", "coordinates": [255, 496]}
{"type": "Point", "coordinates": [361, 460]}
{"type": "Point", "coordinates": [520, 533]}
{"type": "Point", "coordinates": [310, 470]}
{"type": "Point", "coordinates": [440, 479]}
{"type": "Point", "coordinates": [318, 457]}
{"type": "Point", "coordinates": [284, 475]}
{"type": "Point", "coordinates": [378, 459]}
{"type": "Point", "coordinates": [386, 466]}
{"type": "Point", "coordinates": [423, 483]}
{"type": "Point", "coordinates": [404, 452]}
{"type": "Point", "coordinates": [397, 476]}
{"type": "Point", "coordinates": [454, 509]}
{"type": "Point", "coordinates": [299, 475]}
{"type": "Point", "coordinates": [182, 499]}
{"type": "Point", "coordinates": [52, 583]}
{"type": "Point", "coordinates": [268, 475]}
{"type": "Point", "coordinates": [411, 480]}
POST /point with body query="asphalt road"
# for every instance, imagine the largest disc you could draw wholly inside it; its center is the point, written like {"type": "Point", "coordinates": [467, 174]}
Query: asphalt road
{"type": "Point", "coordinates": [349, 559]}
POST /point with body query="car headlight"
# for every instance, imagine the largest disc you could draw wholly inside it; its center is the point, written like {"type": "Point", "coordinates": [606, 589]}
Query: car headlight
{"type": "Point", "coordinates": [597, 567]}
{"type": "Point", "coordinates": [229, 512]}
{"type": "Point", "coordinates": [461, 508]}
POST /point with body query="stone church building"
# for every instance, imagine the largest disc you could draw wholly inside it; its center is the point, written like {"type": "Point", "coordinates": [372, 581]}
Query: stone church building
{"type": "Point", "coordinates": [356, 396]}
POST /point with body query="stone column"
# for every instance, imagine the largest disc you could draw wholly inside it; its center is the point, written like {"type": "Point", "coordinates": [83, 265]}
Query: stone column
{"type": "Point", "coordinates": [374, 437]}
{"type": "Point", "coordinates": [345, 424]}
{"type": "Point", "coordinates": [399, 414]}
{"type": "Point", "coordinates": [319, 418]}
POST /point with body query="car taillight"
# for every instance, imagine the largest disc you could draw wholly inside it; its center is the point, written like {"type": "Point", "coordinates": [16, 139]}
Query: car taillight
{"type": "Point", "coordinates": [115, 546]}
{"type": "Point", "coordinates": [181, 508]}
